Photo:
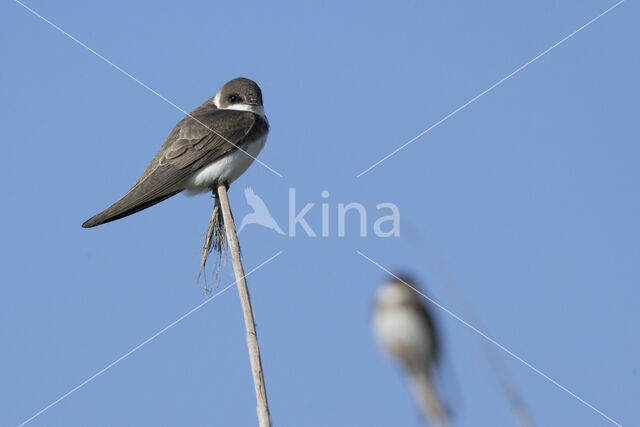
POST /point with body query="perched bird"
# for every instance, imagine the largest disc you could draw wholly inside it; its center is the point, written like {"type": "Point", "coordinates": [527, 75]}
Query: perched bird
{"type": "Point", "coordinates": [213, 145]}
{"type": "Point", "coordinates": [405, 329]}
{"type": "Point", "coordinates": [260, 215]}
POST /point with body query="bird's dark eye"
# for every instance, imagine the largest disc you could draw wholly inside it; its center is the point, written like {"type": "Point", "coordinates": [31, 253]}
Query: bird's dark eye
{"type": "Point", "coordinates": [234, 98]}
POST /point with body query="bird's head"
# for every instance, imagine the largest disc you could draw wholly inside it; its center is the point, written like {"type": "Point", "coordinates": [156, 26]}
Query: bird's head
{"type": "Point", "coordinates": [240, 94]}
{"type": "Point", "coordinates": [396, 292]}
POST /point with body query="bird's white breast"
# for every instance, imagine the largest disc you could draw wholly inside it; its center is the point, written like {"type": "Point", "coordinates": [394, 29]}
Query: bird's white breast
{"type": "Point", "coordinates": [403, 333]}
{"type": "Point", "coordinates": [226, 169]}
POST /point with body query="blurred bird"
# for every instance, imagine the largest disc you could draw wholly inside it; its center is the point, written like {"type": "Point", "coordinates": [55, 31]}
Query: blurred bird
{"type": "Point", "coordinates": [260, 215]}
{"type": "Point", "coordinates": [211, 146]}
{"type": "Point", "coordinates": [405, 329]}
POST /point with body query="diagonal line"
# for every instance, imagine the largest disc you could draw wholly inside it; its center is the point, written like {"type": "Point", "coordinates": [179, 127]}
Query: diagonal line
{"type": "Point", "coordinates": [494, 342]}
{"type": "Point", "coordinates": [140, 83]}
{"type": "Point", "coordinates": [489, 89]}
{"type": "Point", "coordinates": [142, 344]}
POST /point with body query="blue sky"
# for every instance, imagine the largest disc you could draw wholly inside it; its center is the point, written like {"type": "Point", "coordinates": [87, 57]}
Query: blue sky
{"type": "Point", "coordinates": [527, 198]}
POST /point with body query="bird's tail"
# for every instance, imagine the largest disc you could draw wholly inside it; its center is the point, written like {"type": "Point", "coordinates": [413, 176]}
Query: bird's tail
{"type": "Point", "coordinates": [428, 400]}
{"type": "Point", "coordinates": [215, 239]}
{"type": "Point", "coordinates": [127, 205]}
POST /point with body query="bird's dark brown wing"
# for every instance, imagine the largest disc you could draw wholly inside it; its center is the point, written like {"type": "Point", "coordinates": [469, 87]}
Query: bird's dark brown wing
{"type": "Point", "coordinates": [190, 146]}
{"type": "Point", "coordinates": [421, 308]}
{"type": "Point", "coordinates": [418, 305]}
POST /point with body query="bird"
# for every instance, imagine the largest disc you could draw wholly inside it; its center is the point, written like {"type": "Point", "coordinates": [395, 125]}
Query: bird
{"type": "Point", "coordinates": [260, 214]}
{"type": "Point", "coordinates": [406, 331]}
{"type": "Point", "coordinates": [211, 146]}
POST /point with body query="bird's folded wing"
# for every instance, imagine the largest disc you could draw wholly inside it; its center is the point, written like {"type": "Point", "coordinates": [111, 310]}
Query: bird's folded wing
{"type": "Point", "coordinates": [198, 140]}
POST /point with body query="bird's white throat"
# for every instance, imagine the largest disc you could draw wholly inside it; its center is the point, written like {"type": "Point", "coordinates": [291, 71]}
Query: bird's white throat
{"type": "Point", "coordinates": [256, 109]}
